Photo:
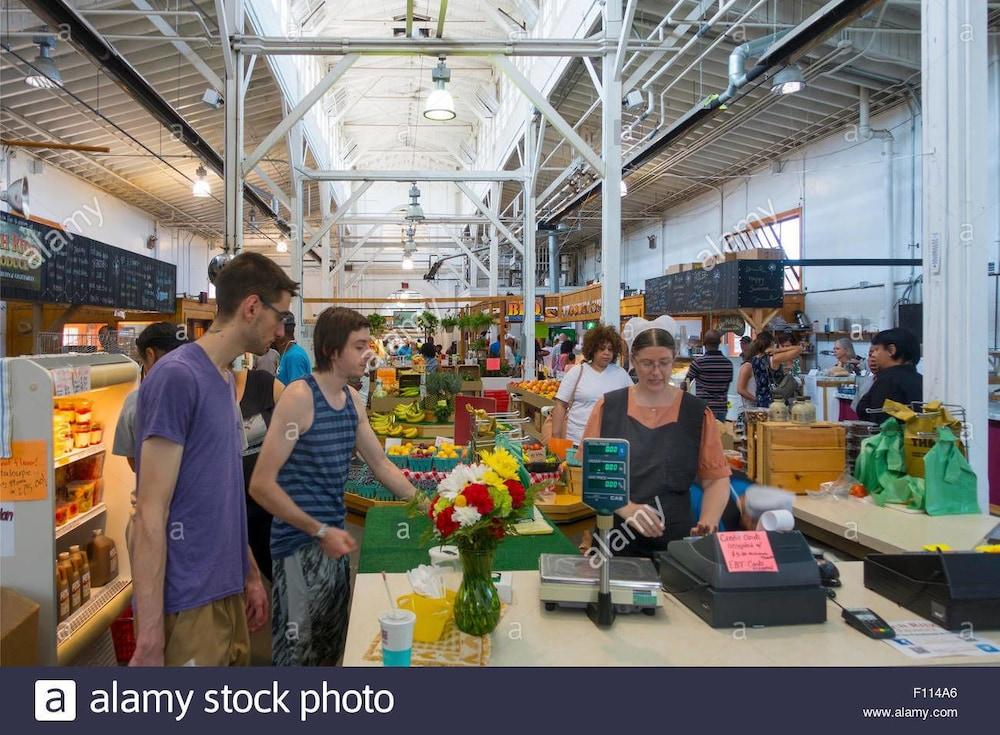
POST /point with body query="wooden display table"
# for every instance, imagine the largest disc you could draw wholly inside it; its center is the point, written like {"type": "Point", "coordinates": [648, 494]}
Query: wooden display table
{"type": "Point", "coordinates": [674, 637]}
{"type": "Point", "coordinates": [859, 527]}
{"type": "Point", "coordinates": [531, 408]}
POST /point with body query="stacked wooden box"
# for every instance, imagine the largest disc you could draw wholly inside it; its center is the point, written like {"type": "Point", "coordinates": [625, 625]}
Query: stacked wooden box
{"type": "Point", "coordinates": [798, 457]}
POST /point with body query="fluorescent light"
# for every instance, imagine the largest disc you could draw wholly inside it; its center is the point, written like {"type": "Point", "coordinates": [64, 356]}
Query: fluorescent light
{"type": "Point", "coordinates": [440, 104]}
{"type": "Point", "coordinates": [201, 188]}
{"type": "Point", "coordinates": [788, 81]}
{"type": "Point", "coordinates": [623, 188]}
{"type": "Point", "coordinates": [282, 246]}
{"type": "Point", "coordinates": [407, 262]}
{"type": "Point", "coordinates": [45, 74]}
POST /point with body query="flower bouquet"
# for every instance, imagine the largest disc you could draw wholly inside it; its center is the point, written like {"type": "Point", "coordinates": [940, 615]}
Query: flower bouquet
{"type": "Point", "coordinates": [474, 508]}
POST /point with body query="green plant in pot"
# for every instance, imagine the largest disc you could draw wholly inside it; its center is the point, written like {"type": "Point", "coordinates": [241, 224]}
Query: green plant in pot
{"type": "Point", "coordinates": [428, 322]}
{"type": "Point", "coordinates": [376, 323]}
{"type": "Point", "coordinates": [448, 323]}
{"type": "Point", "coordinates": [442, 387]}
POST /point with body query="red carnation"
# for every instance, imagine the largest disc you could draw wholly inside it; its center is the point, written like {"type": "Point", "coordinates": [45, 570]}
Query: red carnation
{"type": "Point", "coordinates": [497, 528]}
{"type": "Point", "coordinates": [478, 496]}
{"type": "Point", "coordinates": [446, 525]}
{"type": "Point", "coordinates": [516, 491]}
{"type": "Point", "coordinates": [430, 509]}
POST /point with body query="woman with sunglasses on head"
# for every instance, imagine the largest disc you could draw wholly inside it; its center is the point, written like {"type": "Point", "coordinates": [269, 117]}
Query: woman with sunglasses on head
{"type": "Point", "coordinates": [674, 440]}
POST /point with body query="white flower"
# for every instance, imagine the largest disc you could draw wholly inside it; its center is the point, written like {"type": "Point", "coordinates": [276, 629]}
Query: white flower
{"type": "Point", "coordinates": [465, 515]}
{"type": "Point", "coordinates": [459, 477]}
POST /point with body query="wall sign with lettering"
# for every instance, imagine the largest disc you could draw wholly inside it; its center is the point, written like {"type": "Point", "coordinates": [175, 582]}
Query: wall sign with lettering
{"type": "Point", "coordinates": [24, 475]}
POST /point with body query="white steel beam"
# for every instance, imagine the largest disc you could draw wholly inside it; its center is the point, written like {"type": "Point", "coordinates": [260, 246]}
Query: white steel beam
{"type": "Point", "coordinates": [504, 230]}
{"type": "Point", "coordinates": [224, 13]}
{"type": "Point", "coordinates": [623, 39]}
{"type": "Point", "coordinates": [690, 20]}
{"type": "Point", "coordinates": [424, 175]}
{"type": "Point", "coordinates": [611, 203]}
{"type": "Point", "coordinates": [186, 51]}
{"type": "Point", "coordinates": [301, 108]}
{"type": "Point", "coordinates": [955, 242]}
{"type": "Point", "coordinates": [230, 14]}
{"type": "Point", "coordinates": [557, 120]}
{"type": "Point", "coordinates": [461, 278]}
{"type": "Point", "coordinates": [528, 255]}
{"type": "Point", "coordinates": [325, 202]}
{"type": "Point", "coordinates": [248, 74]}
{"type": "Point", "coordinates": [295, 251]}
{"type": "Point", "coordinates": [354, 251]}
{"type": "Point", "coordinates": [332, 219]}
{"type": "Point", "coordinates": [593, 75]}
{"type": "Point", "coordinates": [472, 256]}
{"type": "Point", "coordinates": [357, 276]}
{"type": "Point", "coordinates": [494, 205]}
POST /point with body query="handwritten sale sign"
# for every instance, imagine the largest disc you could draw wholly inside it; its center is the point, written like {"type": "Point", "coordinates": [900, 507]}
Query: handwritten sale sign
{"type": "Point", "coordinates": [24, 476]}
{"type": "Point", "coordinates": [747, 551]}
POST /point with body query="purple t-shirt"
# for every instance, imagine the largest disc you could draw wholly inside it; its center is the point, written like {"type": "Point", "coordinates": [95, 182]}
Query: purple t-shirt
{"type": "Point", "coordinates": [187, 401]}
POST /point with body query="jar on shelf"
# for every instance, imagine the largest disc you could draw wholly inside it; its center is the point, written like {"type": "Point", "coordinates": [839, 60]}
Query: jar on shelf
{"type": "Point", "coordinates": [96, 433]}
{"type": "Point", "coordinates": [83, 408]}
{"type": "Point", "coordinates": [777, 411]}
{"type": "Point", "coordinates": [82, 492]}
{"type": "Point", "coordinates": [62, 436]}
{"type": "Point", "coordinates": [81, 435]}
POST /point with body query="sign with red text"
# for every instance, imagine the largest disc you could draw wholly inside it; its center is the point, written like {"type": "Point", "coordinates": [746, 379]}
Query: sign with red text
{"type": "Point", "coordinates": [747, 551]}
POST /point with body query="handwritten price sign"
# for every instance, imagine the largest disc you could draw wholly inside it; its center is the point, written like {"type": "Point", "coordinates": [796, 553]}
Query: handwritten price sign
{"type": "Point", "coordinates": [747, 551]}
{"type": "Point", "coordinates": [23, 476]}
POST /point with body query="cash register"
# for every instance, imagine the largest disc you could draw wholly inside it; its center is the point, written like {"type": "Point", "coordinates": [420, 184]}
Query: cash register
{"type": "Point", "coordinates": [696, 572]}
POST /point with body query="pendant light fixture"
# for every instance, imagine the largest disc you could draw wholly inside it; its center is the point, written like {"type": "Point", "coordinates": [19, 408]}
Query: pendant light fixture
{"type": "Point", "coordinates": [623, 189]}
{"type": "Point", "coordinates": [440, 105]}
{"type": "Point", "coordinates": [789, 80]}
{"type": "Point", "coordinates": [45, 74]}
{"type": "Point", "coordinates": [414, 212]}
{"type": "Point", "coordinates": [201, 188]}
{"type": "Point", "coordinates": [409, 248]}
{"type": "Point", "coordinates": [282, 246]}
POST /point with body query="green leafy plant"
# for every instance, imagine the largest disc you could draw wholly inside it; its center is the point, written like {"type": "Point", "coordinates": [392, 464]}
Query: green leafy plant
{"type": "Point", "coordinates": [376, 323]}
{"type": "Point", "coordinates": [482, 321]}
{"type": "Point", "coordinates": [428, 322]}
{"type": "Point", "coordinates": [448, 323]}
{"type": "Point", "coordinates": [466, 322]}
{"type": "Point", "coordinates": [443, 384]}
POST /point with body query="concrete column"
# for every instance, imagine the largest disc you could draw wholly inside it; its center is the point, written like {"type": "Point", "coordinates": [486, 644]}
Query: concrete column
{"type": "Point", "coordinates": [233, 152]}
{"type": "Point", "coordinates": [611, 152]}
{"type": "Point", "coordinates": [955, 232]}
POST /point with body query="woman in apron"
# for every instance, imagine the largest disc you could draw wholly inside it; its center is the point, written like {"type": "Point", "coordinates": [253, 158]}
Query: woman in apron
{"type": "Point", "coordinates": [674, 440]}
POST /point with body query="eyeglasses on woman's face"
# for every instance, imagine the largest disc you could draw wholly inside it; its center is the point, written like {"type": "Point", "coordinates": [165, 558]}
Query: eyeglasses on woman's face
{"type": "Point", "coordinates": [663, 365]}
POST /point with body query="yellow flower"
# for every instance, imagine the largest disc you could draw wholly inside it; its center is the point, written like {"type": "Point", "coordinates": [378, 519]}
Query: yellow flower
{"type": "Point", "coordinates": [501, 462]}
{"type": "Point", "coordinates": [460, 501]}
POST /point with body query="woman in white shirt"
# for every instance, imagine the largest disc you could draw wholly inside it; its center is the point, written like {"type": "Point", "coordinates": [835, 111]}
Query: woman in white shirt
{"type": "Point", "coordinates": [585, 384]}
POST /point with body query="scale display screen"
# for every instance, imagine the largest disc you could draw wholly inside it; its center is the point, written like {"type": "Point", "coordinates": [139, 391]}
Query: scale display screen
{"type": "Point", "coordinates": [605, 474]}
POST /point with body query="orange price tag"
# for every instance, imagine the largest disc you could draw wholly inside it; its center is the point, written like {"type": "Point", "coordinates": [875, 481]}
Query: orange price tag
{"type": "Point", "coordinates": [747, 551]}
{"type": "Point", "coordinates": [24, 476]}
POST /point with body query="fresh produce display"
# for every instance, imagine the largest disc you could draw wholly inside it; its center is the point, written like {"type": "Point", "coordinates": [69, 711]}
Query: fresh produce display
{"type": "Point", "coordinates": [410, 412]}
{"type": "Point", "coordinates": [411, 391]}
{"type": "Point", "coordinates": [544, 388]}
{"type": "Point", "coordinates": [447, 450]}
{"type": "Point", "coordinates": [422, 451]}
{"type": "Point", "coordinates": [387, 425]}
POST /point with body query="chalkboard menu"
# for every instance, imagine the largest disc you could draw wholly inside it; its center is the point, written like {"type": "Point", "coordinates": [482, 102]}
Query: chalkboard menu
{"type": "Point", "coordinates": [41, 263]}
{"type": "Point", "coordinates": [736, 284]}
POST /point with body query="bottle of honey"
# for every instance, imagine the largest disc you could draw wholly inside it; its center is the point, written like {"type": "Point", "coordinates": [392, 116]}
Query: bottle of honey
{"type": "Point", "coordinates": [103, 559]}
{"type": "Point", "coordinates": [62, 591]}
{"type": "Point", "coordinates": [79, 559]}
{"type": "Point", "coordinates": [74, 581]}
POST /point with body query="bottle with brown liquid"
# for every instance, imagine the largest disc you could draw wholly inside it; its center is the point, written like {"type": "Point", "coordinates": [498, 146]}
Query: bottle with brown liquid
{"type": "Point", "coordinates": [79, 559]}
{"type": "Point", "coordinates": [74, 581]}
{"type": "Point", "coordinates": [103, 559]}
{"type": "Point", "coordinates": [62, 592]}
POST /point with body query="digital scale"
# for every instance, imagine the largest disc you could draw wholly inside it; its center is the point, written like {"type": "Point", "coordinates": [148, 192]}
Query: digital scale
{"type": "Point", "coordinates": [598, 582]}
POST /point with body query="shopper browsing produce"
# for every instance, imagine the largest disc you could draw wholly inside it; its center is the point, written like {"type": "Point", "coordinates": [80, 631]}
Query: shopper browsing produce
{"type": "Point", "coordinates": [674, 440]}
{"type": "Point", "coordinates": [198, 592]}
{"type": "Point", "coordinates": [300, 479]}
{"type": "Point", "coordinates": [294, 363]}
{"type": "Point", "coordinates": [587, 383]}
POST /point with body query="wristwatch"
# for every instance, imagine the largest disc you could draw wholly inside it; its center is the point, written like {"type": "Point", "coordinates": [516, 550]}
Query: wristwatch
{"type": "Point", "coordinates": [321, 531]}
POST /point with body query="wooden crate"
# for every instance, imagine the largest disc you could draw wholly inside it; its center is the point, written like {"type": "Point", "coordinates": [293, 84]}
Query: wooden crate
{"type": "Point", "coordinates": [799, 457]}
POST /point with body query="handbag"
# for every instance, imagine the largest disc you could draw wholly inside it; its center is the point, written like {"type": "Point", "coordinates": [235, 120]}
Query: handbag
{"type": "Point", "coordinates": [783, 385]}
{"type": "Point", "coordinates": [547, 424]}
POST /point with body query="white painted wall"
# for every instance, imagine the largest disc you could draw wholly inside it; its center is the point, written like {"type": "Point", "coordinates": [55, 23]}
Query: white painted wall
{"type": "Point", "coordinates": [86, 210]}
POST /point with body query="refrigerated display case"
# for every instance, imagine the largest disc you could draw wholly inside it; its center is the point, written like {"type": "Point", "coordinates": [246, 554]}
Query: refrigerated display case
{"type": "Point", "coordinates": [57, 489]}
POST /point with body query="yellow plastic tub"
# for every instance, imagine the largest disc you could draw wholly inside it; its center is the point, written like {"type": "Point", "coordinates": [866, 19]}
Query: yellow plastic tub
{"type": "Point", "coordinates": [432, 615]}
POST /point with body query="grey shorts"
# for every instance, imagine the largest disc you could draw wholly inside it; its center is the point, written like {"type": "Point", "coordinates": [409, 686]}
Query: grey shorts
{"type": "Point", "coordinates": [311, 597]}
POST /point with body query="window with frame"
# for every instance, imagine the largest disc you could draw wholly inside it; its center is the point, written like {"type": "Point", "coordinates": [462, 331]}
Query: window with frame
{"type": "Point", "coordinates": [783, 232]}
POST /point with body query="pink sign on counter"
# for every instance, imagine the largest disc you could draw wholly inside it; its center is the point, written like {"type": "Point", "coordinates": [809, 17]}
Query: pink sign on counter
{"type": "Point", "coordinates": [747, 551]}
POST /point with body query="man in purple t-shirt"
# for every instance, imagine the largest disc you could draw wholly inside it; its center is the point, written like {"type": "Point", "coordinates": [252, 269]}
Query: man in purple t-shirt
{"type": "Point", "coordinates": [198, 592]}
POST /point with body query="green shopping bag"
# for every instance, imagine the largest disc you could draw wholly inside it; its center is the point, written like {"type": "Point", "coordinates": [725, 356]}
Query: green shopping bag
{"type": "Point", "coordinates": [880, 461]}
{"type": "Point", "coordinates": [905, 490]}
{"type": "Point", "coordinates": [949, 482]}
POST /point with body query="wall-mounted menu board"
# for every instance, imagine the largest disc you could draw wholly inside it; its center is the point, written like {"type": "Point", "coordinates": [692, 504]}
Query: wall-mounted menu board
{"type": "Point", "coordinates": [41, 263]}
{"type": "Point", "coordinates": [736, 284]}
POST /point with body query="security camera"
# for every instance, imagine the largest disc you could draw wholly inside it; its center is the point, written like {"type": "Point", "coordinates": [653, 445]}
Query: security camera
{"type": "Point", "coordinates": [213, 99]}
{"type": "Point", "coordinates": [633, 99]}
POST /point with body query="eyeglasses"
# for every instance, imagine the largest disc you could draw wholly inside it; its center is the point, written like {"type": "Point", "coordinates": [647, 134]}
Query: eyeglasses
{"type": "Point", "coordinates": [647, 365]}
{"type": "Point", "coordinates": [277, 311]}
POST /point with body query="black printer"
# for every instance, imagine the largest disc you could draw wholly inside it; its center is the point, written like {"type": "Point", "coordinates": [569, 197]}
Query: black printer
{"type": "Point", "coordinates": [694, 571]}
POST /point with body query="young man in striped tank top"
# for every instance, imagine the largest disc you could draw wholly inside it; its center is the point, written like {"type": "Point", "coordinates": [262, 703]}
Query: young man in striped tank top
{"type": "Point", "coordinates": [317, 425]}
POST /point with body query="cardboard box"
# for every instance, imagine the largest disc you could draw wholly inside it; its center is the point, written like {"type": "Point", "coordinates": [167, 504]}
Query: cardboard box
{"type": "Point", "coordinates": [18, 629]}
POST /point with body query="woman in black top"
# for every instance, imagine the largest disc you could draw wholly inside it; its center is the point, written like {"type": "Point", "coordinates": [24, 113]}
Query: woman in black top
{"type": "Point", "coordinates": [257, 392]}
{"type": "Point", "coordinates": [895, 353]}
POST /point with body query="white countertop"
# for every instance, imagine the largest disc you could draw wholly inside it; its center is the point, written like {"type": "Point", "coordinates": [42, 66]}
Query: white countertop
{"type": "Point", "coordinates": [528, 635]}
{"type": "Point", "coordinates": [890, 530]}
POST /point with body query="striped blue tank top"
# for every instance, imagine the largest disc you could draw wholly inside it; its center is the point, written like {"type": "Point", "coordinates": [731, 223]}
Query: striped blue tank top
{"type": "Point", "coordinates": [316, 471]}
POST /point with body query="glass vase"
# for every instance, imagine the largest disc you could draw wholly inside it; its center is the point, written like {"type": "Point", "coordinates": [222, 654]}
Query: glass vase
{"type": "Point", "coordinates": [477, 604]}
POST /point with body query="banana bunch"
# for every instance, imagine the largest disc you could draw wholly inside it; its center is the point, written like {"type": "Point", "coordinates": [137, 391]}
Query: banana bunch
{"type": "Point", "coordinates": [385, 424]}
{"type": "Point", "coordinates": [410, 412]}
{"type": "Point", "coordinates": [412, 391]}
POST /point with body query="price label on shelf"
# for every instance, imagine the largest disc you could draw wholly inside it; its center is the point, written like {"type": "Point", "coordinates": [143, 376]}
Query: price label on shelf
{"type": "Point", "coordinates": [81, 379]}
{"type": "Point", "coordinates": [62, 381]}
